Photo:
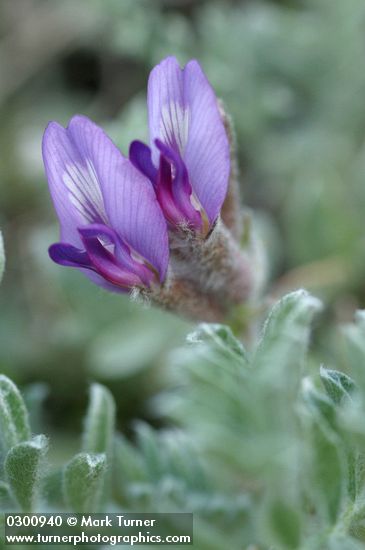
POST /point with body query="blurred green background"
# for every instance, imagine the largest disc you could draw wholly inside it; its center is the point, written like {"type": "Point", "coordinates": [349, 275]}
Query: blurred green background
{"type": "Point", "coordinates": [292, 75]}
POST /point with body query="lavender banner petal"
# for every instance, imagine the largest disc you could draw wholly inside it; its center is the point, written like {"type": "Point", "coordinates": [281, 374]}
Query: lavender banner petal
{"type": "Point", "coordinates": [207, 154]}
{"type": "Point", "coordinates": [183, 113]}
{"type": "Point", "coordinates": [129, 199]}
{"type": "Point", "coordinates": [73, 184]}
{"type": "Point", "coordinates": [168, 113]}
{"type": "Point", "coordinates": [92, 183]}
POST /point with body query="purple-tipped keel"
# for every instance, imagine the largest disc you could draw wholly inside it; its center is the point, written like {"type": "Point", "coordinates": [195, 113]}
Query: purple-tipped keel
{"type": "Point", "coordinates": [111, 224]}
{"type": "Point", "coordinates": [189, 160]}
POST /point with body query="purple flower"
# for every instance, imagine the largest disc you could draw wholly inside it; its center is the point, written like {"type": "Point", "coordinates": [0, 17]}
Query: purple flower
{"type": "Point", "coordinates": [111, 225]}
{"type": "Point", "coordinates": [188, 159]}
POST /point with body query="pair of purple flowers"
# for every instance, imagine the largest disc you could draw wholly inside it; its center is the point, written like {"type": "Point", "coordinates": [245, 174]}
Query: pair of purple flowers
{"type": "Point", "coordinates": [115, 213]}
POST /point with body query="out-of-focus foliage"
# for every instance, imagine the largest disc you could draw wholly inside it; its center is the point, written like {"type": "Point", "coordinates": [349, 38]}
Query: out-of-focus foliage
{"type": "Point", "coordinates": [2, 257]}
{"type": "Point", "coordinates": [265, 452]}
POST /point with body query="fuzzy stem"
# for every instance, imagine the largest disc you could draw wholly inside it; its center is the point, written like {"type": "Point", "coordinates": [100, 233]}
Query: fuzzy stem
{"type": "Point", "coordinates": [216, 265]}
{"type": "Point", "coordinates": [183, 298]}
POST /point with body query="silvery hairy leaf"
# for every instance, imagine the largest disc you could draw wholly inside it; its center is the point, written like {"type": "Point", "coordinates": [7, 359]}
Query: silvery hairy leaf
{"type": "Point", "coordinates": [83, 482]}
{"type": "Point", "coordinates": [14, 420]}
{"type": "Point", "coordinates": [23, 467]}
